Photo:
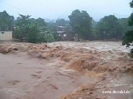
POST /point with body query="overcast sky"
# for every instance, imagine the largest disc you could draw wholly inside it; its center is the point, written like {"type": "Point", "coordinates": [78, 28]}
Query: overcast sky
{"type": "Point", "coordinates": [53, 9]}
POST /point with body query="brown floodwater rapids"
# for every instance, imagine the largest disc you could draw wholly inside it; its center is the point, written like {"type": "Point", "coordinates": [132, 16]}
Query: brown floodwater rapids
{"type": "Point", "coordinates": [65, 70]}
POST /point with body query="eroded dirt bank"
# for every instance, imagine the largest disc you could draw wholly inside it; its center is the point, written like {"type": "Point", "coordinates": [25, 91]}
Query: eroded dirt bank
{"type": "Point", "coordinates": [65, 70]}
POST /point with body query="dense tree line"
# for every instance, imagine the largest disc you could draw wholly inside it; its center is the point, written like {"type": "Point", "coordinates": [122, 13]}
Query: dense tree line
{"type": "Point", "coordinates": [108, 28]}
{"type": "Point", "coordinates": [80, 23]}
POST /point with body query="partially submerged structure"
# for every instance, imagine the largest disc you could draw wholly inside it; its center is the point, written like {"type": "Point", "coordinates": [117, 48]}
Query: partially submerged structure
{"type": "Point", "coordinates": [64, 33]}
{"type": "Point", "coordinates": [5, 35]}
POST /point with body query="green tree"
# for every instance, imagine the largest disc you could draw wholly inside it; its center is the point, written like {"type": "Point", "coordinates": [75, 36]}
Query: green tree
{"type": "Point", "coordinates": [81, 24]}
{"type": "Point", "coordinates": [26, 29]}
{"type": "Point", "coordinates": [6, 21]}
{"type": "Point", "coordinates": [31, 30]}
{"type": "Point", "coordinates": [56, 36]}
{"type": "Point", "coordinates": [51, 26]}
{"type": "Point", "coordinates": [124, 23]}
{"type": "Point", "coordinates": [49, 37]}
{"type": "Point", "coordinates": [40, 23]}
{"type": "Point", "coordinates": [108, 28]}
{"type": "Point", "coordinates": [65, 23]}
{"type": "Point", "coordinates": [32, 34]}
{"type": "Point", "coordinates": [128, 36]}
{"type": "Point", "coordinates": [61, 22]}
{"type": "Point", "coordinates": [21, 24]}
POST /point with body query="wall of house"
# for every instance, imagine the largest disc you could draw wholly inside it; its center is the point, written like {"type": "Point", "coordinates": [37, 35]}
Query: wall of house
{"type": "Point", "coordinates": [62, 36]}
{"type": "Point", "coordinates": [70, 36]}
{"type": "Point", "coordinates": [7, 35]}
{"type": "Point", "coordinates": [66, 36]}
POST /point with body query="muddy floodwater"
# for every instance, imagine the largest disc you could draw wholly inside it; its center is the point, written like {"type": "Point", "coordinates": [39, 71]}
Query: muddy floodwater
{"type": "Point", "coordinates": [65, 70]}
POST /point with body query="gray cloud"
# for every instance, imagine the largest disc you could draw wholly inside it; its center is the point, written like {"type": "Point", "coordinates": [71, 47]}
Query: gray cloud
{"type": "Point", "coordinates": [53, 9]}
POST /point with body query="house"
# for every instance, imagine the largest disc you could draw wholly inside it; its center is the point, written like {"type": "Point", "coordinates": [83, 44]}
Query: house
{"type": "Point", "coordinates": [64, 33]}
{"type": "Point", "coordinates": [5, 35]}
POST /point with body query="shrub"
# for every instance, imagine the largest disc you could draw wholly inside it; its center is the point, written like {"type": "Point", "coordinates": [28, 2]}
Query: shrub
{"type": "Point", "coordinates": [49, 37]}
{"type": "Point", "coordinates": [32, 34]}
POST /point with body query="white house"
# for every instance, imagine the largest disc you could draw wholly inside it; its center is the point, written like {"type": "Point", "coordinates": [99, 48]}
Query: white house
{"type": "Point", "coordinates": [5, 35]}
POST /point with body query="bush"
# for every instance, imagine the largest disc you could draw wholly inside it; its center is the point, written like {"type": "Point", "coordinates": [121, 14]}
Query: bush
{"type": "Point", "coordinates": [32, 35]}
{"type": "Point", "coordinates": [41, 37]}
{"type": "Point", "coordinates": [49, 38]}
{"type": "Point", "coordinates": [56, 36]}
{"type": "Point", "coordinates": [127, 38]}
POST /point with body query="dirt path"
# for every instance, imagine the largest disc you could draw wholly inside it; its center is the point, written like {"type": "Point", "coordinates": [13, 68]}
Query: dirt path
{"type": "Point", "coordinates": [65, 70]}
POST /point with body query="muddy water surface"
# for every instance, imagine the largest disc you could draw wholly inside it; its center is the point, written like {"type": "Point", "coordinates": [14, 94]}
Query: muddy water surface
{"type": "Point", "coordinates": [65, 70]}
